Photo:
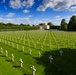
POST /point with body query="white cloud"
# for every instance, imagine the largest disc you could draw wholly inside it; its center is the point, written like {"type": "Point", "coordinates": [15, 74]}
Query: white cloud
{"type": "Point", "coordinates": [56, 4]}
{"type": "Point", "coordinates": [74, 14]}
{"type": "Point", "coordinates": [28, 3]}
{"type": "Point", "coordinates": [46, 20]}
{"type": "Point", "coordinates": [16, 4]}
{"type": "Point", "coordinates": [9, 20]}
{"type": "Point", "coordinates": [26, 11]}
{"type": "Point", "coordinates": [58, 17]}
{"type": "Point", "coordinates": [24, 20]}
{"type": "Point", "coordinates": [1, 18]}
{"type": "Point", "coordinates": [10, 14]}
{"type": "Point", "coordinates": [72, 9]}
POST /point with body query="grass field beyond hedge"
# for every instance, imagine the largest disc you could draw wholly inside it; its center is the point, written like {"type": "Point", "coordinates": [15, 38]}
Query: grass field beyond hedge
{"type": "Point", "coordinates": [48, 42]}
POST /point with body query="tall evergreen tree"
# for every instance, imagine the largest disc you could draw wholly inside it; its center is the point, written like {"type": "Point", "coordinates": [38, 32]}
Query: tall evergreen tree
{"type": "Point", "coordinates": [63, 25]}
{"type": "Point", "coordinates": [72, 23]}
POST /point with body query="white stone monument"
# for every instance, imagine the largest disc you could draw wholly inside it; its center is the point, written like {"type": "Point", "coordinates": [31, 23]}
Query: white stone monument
{"type": "Point", "coordinates": [6, 53]}
{"type": "Point", "coordinates": [1, 50]}
{"type": "Point", "coordinates": [12, 57]}
{"type": "Point", "coordinates": [30, 51]}
{"type": "Point", "coordinates": [21, 62]}
{"type": "Point", "coordinates": [23, 48]}
{"type": "Point", "coordinates": [39, 54]}
{"type": "Point", "coordinates": [34, 45]}
{"type": "Point", "coordinates": [33, 70]}
{"type": "Point", "coordinates": [61, 52]}
{"type": "Point", "coordinates": [51, 58]}
{"type": "Point", "coordinates": [17, 46]}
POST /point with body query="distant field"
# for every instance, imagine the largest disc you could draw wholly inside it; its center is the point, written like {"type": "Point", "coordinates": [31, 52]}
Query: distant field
{"type": "Point", "coordinates": [48, 43]}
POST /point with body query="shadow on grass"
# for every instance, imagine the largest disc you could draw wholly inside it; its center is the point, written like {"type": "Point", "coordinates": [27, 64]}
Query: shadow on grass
{"type": "Point", "coordinates": [16, 66]}
{"type": "Point", "coordinates": [26, 53]}
{"type": "Point", "coordinates": [20, 51]}
{"type": "Point", "coordinates": [3, 56]}
{"type": "Point", "coordinates": [8, 60]}
{"type": "Point", "coordinates": [61, 65]}
{"type": "Point", "coordinates": [27, 74]}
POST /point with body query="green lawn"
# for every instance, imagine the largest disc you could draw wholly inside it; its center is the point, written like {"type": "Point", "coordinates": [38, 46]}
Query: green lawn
{"type": "Point", "coordinates": [50, 41]}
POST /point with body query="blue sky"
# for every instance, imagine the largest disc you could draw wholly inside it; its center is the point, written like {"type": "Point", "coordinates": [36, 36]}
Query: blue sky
{"type": "Point", "coordinates": [36, 11]}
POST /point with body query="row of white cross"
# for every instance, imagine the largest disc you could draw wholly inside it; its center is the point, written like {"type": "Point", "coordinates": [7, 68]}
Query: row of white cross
{"type": "Point", "coordinates": [21, 61]}
{"type": "Point", "coordinates": [51, 58]}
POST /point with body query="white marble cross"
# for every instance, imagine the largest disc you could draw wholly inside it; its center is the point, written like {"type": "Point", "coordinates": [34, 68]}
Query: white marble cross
{"type": "Point", "coordinates": [17, 46]}
{"type": "Point", "coordinates": [34, 45]}
{"type": "Point", "coordinates": [30, 51]}
{"type": "Point", "coordinates": [39, 54]}
{"type": "Point", "coordinates": [61, 52]}
{"type": "Point", "coordinates": [6, 53]}
{"type": "Point", "coordinates": [51, 58]}
{"type": "Point", "coordinates": [23, 48]}
{"type": "Point", "coordinates": [1, 50]}
{"type": "Point", "coordinates": [12, 57]}
{"type": "Point", "coordinates": [33, 70]}
{"type": "Point", "coordinates": [21, 62]}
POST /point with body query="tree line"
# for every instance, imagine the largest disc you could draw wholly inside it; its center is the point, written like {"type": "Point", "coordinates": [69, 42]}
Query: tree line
{"type": "Point", "coordinates": [11, 26]}
{"type": "Point", "coordinates": [70, 26]}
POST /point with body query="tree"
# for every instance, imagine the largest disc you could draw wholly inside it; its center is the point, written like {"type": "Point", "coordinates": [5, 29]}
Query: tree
{"type": "Point", "coordinates": [50, 24]}
{"type": "Point", "coordinates": [72, 23]}
{"type": "Point", "coordinates": [63, 24]}
{"type": "Point", "coordinates": [2, 24]}
{"type": "Point", "coordinates": [21, 24]}
{"type": "Point", "coordinates": [41, 24]}
{"type": "Point", "coordinates": [33, 25]}
{"type": "Point", "coordinates": [9, 24]}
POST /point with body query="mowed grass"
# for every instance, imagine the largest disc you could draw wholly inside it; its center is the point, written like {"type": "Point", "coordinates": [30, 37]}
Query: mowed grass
{"type": "Point", "coordinates": [48, 43]}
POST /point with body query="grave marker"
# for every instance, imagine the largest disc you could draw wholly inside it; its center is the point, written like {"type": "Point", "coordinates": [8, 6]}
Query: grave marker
{"type": "Point", "coordinates": [33, 70]}
{"type": "Point", "coordinates": [51, 58]}
{"type": "Point", "coordinates": [21, 62]}
{"type": "Point", "coordinates": [39, 54]}
{"type": "Point", "coordinates": [12, 57]}
{"type": "Point", "coordinates": [6, 53]}
{"type": "Point", "coordinates": [1, 50]}
{"type": "Point", "coordinates": [61, 52]}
